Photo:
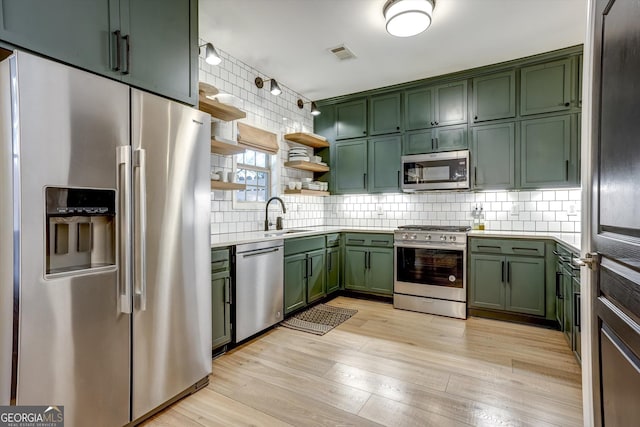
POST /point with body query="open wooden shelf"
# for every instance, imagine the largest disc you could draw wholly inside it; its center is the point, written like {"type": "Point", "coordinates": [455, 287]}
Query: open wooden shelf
{"type": "Point", "coordinates": [307, 139]}
{"type": "Point", "coordinates": [220, 110]}
{"type": "Point", "coordinates": [219, 185]}
{"type": "Point", "coordinates": [305, 192]}
{"type": "Point", "coordinates": [224, 148]}
{"type": "Point", "coordinates": [307, 166]}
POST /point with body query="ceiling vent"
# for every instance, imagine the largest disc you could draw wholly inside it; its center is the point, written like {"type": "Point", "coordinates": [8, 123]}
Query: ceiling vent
{"type": "Point", "coordinates": [342, 52]}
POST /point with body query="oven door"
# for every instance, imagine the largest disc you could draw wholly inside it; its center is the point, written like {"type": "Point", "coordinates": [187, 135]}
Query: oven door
{"type": "Point", "coordinates": [431, 271]}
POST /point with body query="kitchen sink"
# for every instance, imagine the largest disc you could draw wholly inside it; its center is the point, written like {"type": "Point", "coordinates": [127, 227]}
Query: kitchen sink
{"type": "Point", "coordinates": [282, 232]}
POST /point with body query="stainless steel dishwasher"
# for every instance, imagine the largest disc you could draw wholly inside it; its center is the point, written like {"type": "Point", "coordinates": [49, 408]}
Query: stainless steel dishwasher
{"type": "Point", "coordinates": [259, 287]}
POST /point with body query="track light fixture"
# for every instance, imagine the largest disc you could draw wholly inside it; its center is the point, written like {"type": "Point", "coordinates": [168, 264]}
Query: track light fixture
{"type": "Point", "coordinates": [210, 54]}
{"type": "Point", "coordinates": [275, 89]}
{"type": "Point", "coordinates": [314, 107]}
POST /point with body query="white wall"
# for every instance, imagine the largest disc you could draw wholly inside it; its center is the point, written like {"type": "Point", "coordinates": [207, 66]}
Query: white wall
{"type": "Point", "coordinates": [543, 210]}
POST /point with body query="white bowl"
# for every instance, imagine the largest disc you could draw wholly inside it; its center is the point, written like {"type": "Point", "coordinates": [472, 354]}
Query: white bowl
{"type": "Point", "coordinates": [292, 185]}
{"type": "Point", "coordinates": [307, 179]}
{"type": "Point", "coordinates": [317, 159]}
{"type": "Point", "coordinates": [298, 185]}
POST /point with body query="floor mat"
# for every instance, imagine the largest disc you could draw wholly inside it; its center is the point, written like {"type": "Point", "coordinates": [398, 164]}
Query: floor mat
{"type": "Point", "coordinates": [319, 319]}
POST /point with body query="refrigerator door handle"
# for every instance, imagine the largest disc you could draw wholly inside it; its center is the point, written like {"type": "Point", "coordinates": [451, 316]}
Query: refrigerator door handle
{"type": "Point", "coordinates": [140, 163]}
{"type": "Point", "coordinates": [123, 186]}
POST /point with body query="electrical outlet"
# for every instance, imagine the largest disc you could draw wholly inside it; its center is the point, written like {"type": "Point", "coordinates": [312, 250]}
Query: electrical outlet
{"type": "Point", "coordinates": [379, 210]}
{"type": "Point", "coordinates": [572, 209]}
{"type": "Point", "coordinates": [515, 209]}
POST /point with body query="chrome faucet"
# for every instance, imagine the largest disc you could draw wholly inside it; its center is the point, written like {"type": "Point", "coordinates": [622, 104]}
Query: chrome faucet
{"type": "Point", "coordinates": [266, 214]}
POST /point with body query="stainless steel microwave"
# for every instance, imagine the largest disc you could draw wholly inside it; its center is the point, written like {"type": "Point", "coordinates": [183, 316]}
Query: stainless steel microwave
{"type": "Point", "coordinates": [436, 171]}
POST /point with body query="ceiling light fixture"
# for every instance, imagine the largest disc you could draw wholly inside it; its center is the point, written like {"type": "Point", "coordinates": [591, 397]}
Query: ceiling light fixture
{"type": "Point", "coordinates": [274, 89]}
{"type": "Point", "coordinates": [210, 54]}
{"type": "Point", "coordinates": [314, 107]}
{"type": "Point", "coordinates": [406, 18]}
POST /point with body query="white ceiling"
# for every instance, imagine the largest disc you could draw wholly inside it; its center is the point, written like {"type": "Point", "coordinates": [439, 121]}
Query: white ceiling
{"type": "Point", "coordinates": [289, 39]}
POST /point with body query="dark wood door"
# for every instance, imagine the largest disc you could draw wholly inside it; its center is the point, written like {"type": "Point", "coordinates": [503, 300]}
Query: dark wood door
{"type": "Point", "coordinates": [615, 201]}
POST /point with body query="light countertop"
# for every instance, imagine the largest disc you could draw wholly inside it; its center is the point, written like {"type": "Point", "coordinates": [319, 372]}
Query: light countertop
{"type": "Point", "coordinates": [571, 240]}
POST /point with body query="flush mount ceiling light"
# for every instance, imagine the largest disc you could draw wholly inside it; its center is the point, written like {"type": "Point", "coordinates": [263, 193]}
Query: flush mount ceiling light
{"type": "Point", "coordinates": [211, 54]}
{"type": "Point", "coordinates": [406, 18]}
{"type": "Point", "coordinates": [274, 89]}
{"type": "Point", "coordinates": [314, 107]}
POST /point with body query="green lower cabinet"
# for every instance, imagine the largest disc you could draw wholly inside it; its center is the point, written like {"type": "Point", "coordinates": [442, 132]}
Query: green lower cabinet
{"type": "Point", "coordinates": [315, 275]}
{"type": "Point", "coordinates": [525, 291]}
{"type": "Point", "coordinates": [508, 283]}
{"type": "Point", "coordinates": [380, 272]}
{"type": "Point", "coordinates": [369, 269]}
{"type": "Point", "coordinates": [220, 309]}
{"type": "Point", "coordinates": [333, 269]}
{"type": "Point", "coordinates": [487, 282]}
{"type": "Point", "coordinates": [355, 268]}
{"type": "Point", "coordinates": [295, 271]}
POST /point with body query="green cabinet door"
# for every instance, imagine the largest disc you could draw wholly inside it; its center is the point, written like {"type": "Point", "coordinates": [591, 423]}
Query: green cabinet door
{"type": "Point", "coordinates": [545, 88]}
{"type": "Point", "coordinates": [79, 33]}
{"type": "Point", "coordinates": [384, 114]}
{"type": "Point", "coordinates": [487, 285]}
{"type": "Point", "coordinates": [525, 285]}
{"type": "Point", "coordinates": [333, 269]}
{"type": "Point", "coordinates": [418, 142]}
{"type": "Point", "coordinates": [451, 138]}
{"type": "Point", "coordinates": [350, 167]}
{"type": "Point", "coordinates": [493, 156]}
{"type": "Point", "coordinates": [295, 274]}
{"type": "Point", "coordinates": [379, 275]}
{"type": "Point", "coordinates": [325, 123]}
{"type": "Point", "coordinates": [220, 309]}
{"type": "Point", "coordinates": [494, 97]}
{"type": "Point", "coordinates": [316, 285]}
{"type": "Point", "coordinates": [451, 104]}
{"type": "Point", "coordinates": [546, 150]}
{"type": "Point", "coordinates": [351, 119]}
{"type": "Point", "coordinates": [163, 46]}
{"type": "Point", "coordinates": [384, 164]}
{"type": "Point", "coordinates": [418, 109]}
{"type": "Point", "coordinates": [354, 268]}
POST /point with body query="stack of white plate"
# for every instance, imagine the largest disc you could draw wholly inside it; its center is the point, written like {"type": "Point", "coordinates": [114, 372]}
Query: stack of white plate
{"type": "Point", "coordinates": [298, 153]}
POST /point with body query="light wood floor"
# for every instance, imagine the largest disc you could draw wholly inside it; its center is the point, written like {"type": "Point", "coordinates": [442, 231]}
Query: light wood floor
{"type": "Point", "coordinates": [394, 368]}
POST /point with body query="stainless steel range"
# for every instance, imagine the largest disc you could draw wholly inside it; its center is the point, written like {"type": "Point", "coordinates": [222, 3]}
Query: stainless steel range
{"type": "Point", "coordinates": [430, 270]}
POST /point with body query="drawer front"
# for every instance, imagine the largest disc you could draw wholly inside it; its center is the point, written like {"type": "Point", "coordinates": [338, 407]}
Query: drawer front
{"type": "Point", "coordinates": [508, 246]}
{"type": "Point", "coordinates": [332, 240]}
{"type": "Point", "coordinates": [366, 239]}
{"type": "Point", "coordinates": [490, 246]}
{"type": "Point", "coordinates": [303, 244]}
{"type": "Point", "coordinates": [220, 260]}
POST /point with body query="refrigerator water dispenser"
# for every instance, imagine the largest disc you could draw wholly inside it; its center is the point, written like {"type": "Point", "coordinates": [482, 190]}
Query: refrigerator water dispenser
{"type": "Point", "coordinates": [80, 227]}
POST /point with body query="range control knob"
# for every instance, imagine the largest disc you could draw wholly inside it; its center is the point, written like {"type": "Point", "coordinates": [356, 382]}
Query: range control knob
{"type": "Point", "coordinates": [405, 236]}
{"type": "Point", "coordinates": [414, 237]}
{"type": "Point", "coordinates": [453, 238]}
{"type": "Point", "coordinates": [443, 237]}
{"type": "Point", "coordinates": [428, 237]}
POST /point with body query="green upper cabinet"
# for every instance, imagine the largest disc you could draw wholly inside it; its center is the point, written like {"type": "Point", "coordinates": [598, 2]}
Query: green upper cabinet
{"type": "Point", "coordinates": [436, 106]}
{"type": "Point", "coordinates": [418, 109]}
{"type": "Point", "coordinates": [384, 164]}
{"type": "Point", "coordinates": [448, 138]}
{"type": "Point", "coordinates": [163, 46]}
{"type": "Point", "coordinates": [384, 114]}
{"type": "Point", "coordinates": [149, 44]}
{"type": "Point", "coordinates": [450, 104]}
{"type": "Point", "coordinates": [79, 33]}
{"type": "Point", "coordinates": [316, 284]}
{"type": "Point", "coordinates": [349, 167]}
{"type": "Point", "coordinates": [493, 156]}
{"type": "Point", "coordinates": [548, 158]}
{"type": "Point", "coordinates": [351, 119]}
{"type": "Point", "coordinates": [494, 97]}
{"type": "Point", "coordinates": [325, 123]}
{"type": "Point", "coordinates": [545, 88]}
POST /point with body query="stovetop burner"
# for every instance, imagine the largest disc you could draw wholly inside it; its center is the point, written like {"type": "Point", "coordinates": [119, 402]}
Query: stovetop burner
{"type": "Point", "coordinates": [449, 228]}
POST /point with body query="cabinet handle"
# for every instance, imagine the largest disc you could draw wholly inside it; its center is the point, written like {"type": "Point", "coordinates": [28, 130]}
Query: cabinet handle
{"type": "Point", "coordinates": [566, 170]}
{"type": "Point", "coordinates": [127, 54]}
{"type": "Point", "coordinates": [398, 178]}
{"type": "Point", "coordinates": [397, 127]}
{"type": "Point", "coordinates": [489, 247]}
{"type": "Point", "coordinates": [364, 180]}
{"type": "Point", "coordinates": [475, 174]}
{"type": "Point", "coordinates": [566, 104]}
{"type": "Point", "coordinates": [329, 267]}
{"type": "Point", "coordinates": [475, 117]}
{"type": "Point", "coordinates": [310, 261]}
{"type": "Point", "coordinates": [508, 272]}
{"type": "Point", "coordinates": [576, 310]}
{"type": "Point", "coordinates": [558, 293]}
{"type": "Point", "coordinates": [227, 290]}
{"type": "Point", "coordinates": [364, 132]}
{"type": "Point", "coordinates": [556, 253]}
{"type": "Point", "coordinates": [436, 123]}
{"type": "Point", "coordinates": [118, 53]}
{"type": "Point", "coordinates": [524, 249]}
{"type": "Point", "coordinates": [432, 146]}
{"type": "Point", "coordinates": [369, 255]}
{"type": "Point", "coordinates": [502, 268]}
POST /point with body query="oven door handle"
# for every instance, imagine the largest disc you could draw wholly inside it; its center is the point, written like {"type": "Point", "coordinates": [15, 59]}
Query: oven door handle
{"type": "Point", "coordinates": [453, 247]}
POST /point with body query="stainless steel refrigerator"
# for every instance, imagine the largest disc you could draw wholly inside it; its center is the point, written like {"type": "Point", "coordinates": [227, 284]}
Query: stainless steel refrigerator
{"type": "Point", "coordinates": [105, 303]}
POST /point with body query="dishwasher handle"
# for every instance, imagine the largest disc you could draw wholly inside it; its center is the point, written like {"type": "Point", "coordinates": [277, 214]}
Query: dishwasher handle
{"type": "Point", "coordinates": [262, 252]}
